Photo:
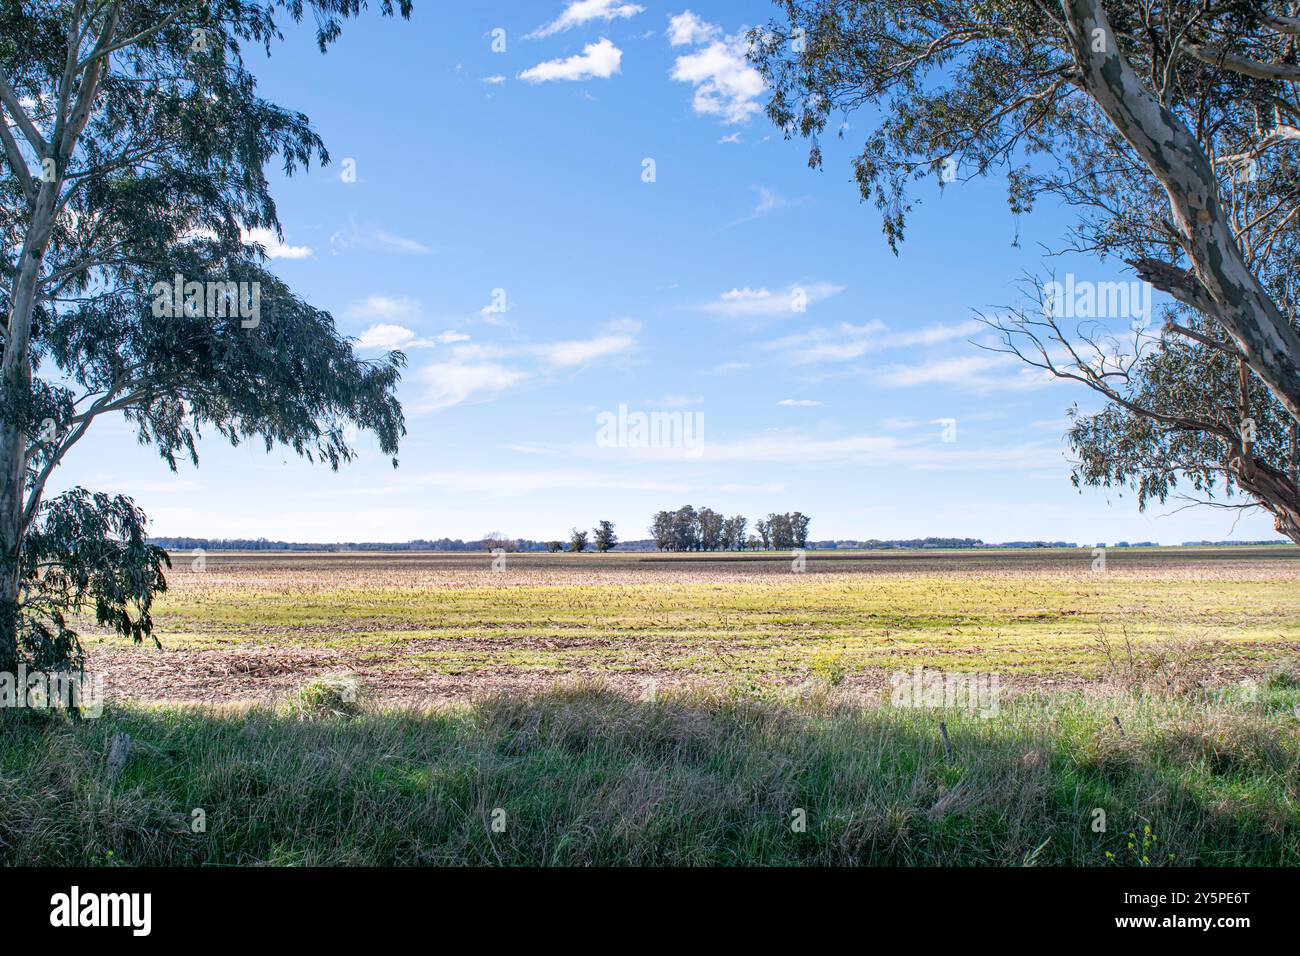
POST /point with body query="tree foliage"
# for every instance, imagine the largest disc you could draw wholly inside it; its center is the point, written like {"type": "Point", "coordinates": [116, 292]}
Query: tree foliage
{"type": "Point", "coordinates": [1170, 129]}
{"type": "Point", "coordinates": [134, 150]}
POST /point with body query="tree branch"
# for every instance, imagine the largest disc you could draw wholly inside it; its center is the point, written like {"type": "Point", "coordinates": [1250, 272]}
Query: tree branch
{"type": "Point", "coordinates": [15, 157]}
{"type": "Point", "coordinates": [1243, 307]}
{"type": "Point", "coordinates": [1213, 56]}
{"type": "Point", "coordinates": [1180, 283]}
{"type": "Point", "coordinates": [29, 130]}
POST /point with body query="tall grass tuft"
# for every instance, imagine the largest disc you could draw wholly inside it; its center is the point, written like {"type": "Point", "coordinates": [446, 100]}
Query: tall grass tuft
{"type": "Point", "coordinates": [582, 775]}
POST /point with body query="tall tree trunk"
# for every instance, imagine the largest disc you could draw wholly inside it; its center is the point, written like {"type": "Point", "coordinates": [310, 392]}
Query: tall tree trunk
{"type": "Point", "coordinates": [15, 390]}
{"type": "Point", "coordinates": [12, 466]}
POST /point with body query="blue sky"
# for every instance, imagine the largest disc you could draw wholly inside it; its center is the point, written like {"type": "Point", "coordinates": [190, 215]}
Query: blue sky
{"type": "Point", "coordinates": [520, 176]}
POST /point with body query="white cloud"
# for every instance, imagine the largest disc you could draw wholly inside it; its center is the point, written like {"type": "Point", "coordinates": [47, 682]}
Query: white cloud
{"type": "Point", "coordinates": [686, 29]}
{"type": "Point", "coordinates": [384, 336]}
{"type": "Point", "coordinates": [599, 60]}
{"type": "Point", "coordinates": [266, 238]}
{"type": "Point", "coordinates": [729, 138]}
{"type": "Point", "coordinates": [390, 318]}
{"type": "Point", "coordinates": [579, 12]}
{"type": "Point", "coordinates": [726, 86]}
{"type": "Point", "coordinates": [800, 402]}
{"type": "Point", "coordinates": [763, 302]}
{"type": "Point", "coordinates": [275, 249]}
{"type": "Point", "coordinates": [582, 351]}
{"type": "Point", "coordinates": [494, 79]}
{"type": "Point", "coordinates": [455, 382]}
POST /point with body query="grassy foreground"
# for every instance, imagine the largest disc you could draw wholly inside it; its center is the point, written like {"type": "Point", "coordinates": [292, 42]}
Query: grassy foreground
{"type": "Point", "coordinates": [581, 775]}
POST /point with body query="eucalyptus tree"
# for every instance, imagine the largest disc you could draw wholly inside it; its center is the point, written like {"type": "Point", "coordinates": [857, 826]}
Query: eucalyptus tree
{"type": "Point", "coordinates": [661, 529]}
{"type": "Point", "coordinates": [710, 529]}
{"type": "Point", "coordinates": [603, 536]}
{"type": "Point", "coordinates": [733, 533]}
{"type": "Point", "coordinates": [134, 150]}
{"type": "Point", "coordinates": [1170, 128]}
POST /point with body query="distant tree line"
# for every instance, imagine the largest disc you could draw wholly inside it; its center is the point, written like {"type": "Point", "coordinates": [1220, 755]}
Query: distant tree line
{"type": "Point", "coordinates": [418, 544]}
{"type": "Point", "coordinates": [752, 542]}
{"type": "Point", "coordinates": [689, 529]}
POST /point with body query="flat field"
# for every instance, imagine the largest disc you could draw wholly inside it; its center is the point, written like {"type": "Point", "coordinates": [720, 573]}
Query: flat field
{"type": "Point", "coordinates": [1127, 706]}
{"type": "Point", "coordinates": [428, 628]}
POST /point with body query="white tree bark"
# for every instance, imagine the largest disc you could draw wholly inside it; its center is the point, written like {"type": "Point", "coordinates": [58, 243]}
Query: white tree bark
{"type": "Point", "coordinates": [1229, 291]}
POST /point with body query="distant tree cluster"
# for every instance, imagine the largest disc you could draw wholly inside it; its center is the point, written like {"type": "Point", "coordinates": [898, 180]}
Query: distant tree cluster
{"type": "Point", "coordinates": [689, 529]}
{"type": "Point", "coordinates": [602, 537]}
{"type": "Point", "coordinates": [783, 532]}
{"type": "Point", "coordinates": [935, 543]}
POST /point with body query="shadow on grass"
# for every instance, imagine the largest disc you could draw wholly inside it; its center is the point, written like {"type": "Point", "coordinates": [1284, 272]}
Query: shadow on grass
{"type": "Point", "coordinates": [583, 776]}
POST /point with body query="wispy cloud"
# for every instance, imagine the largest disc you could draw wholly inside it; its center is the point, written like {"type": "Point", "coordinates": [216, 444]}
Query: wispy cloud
{"type": "Point", "coordinates": [378, 240]}
{"type": "Point", "coordinates": [478, 371]}
{"type": "Point", "coordinates": [515, 482]}
{"type": "Point", "coordinates": [768, 200]}
{"type": "Point", "coordinates": [455, 383]}
{"type": "Point", "coordinates": [384, 308]}
{"type": "Point", "coordinates": [800, 402]}
{"type": "Point", "coordinates": [846, 341]}
{"type": "Point", "coordinates": [599, 60]}
{"type": "Point", "coordinates": [764, 302]}
{"type": "Point", "coordinates": [583, 351]}
{"type": "Point", "coordinates": [787, 446]}
{"type": "Point", "coordinates": [579, 12]}
{"type": "Point", "coordinates": [981, 373]}
{"type": "Point", "coordinates": [679, 401]}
